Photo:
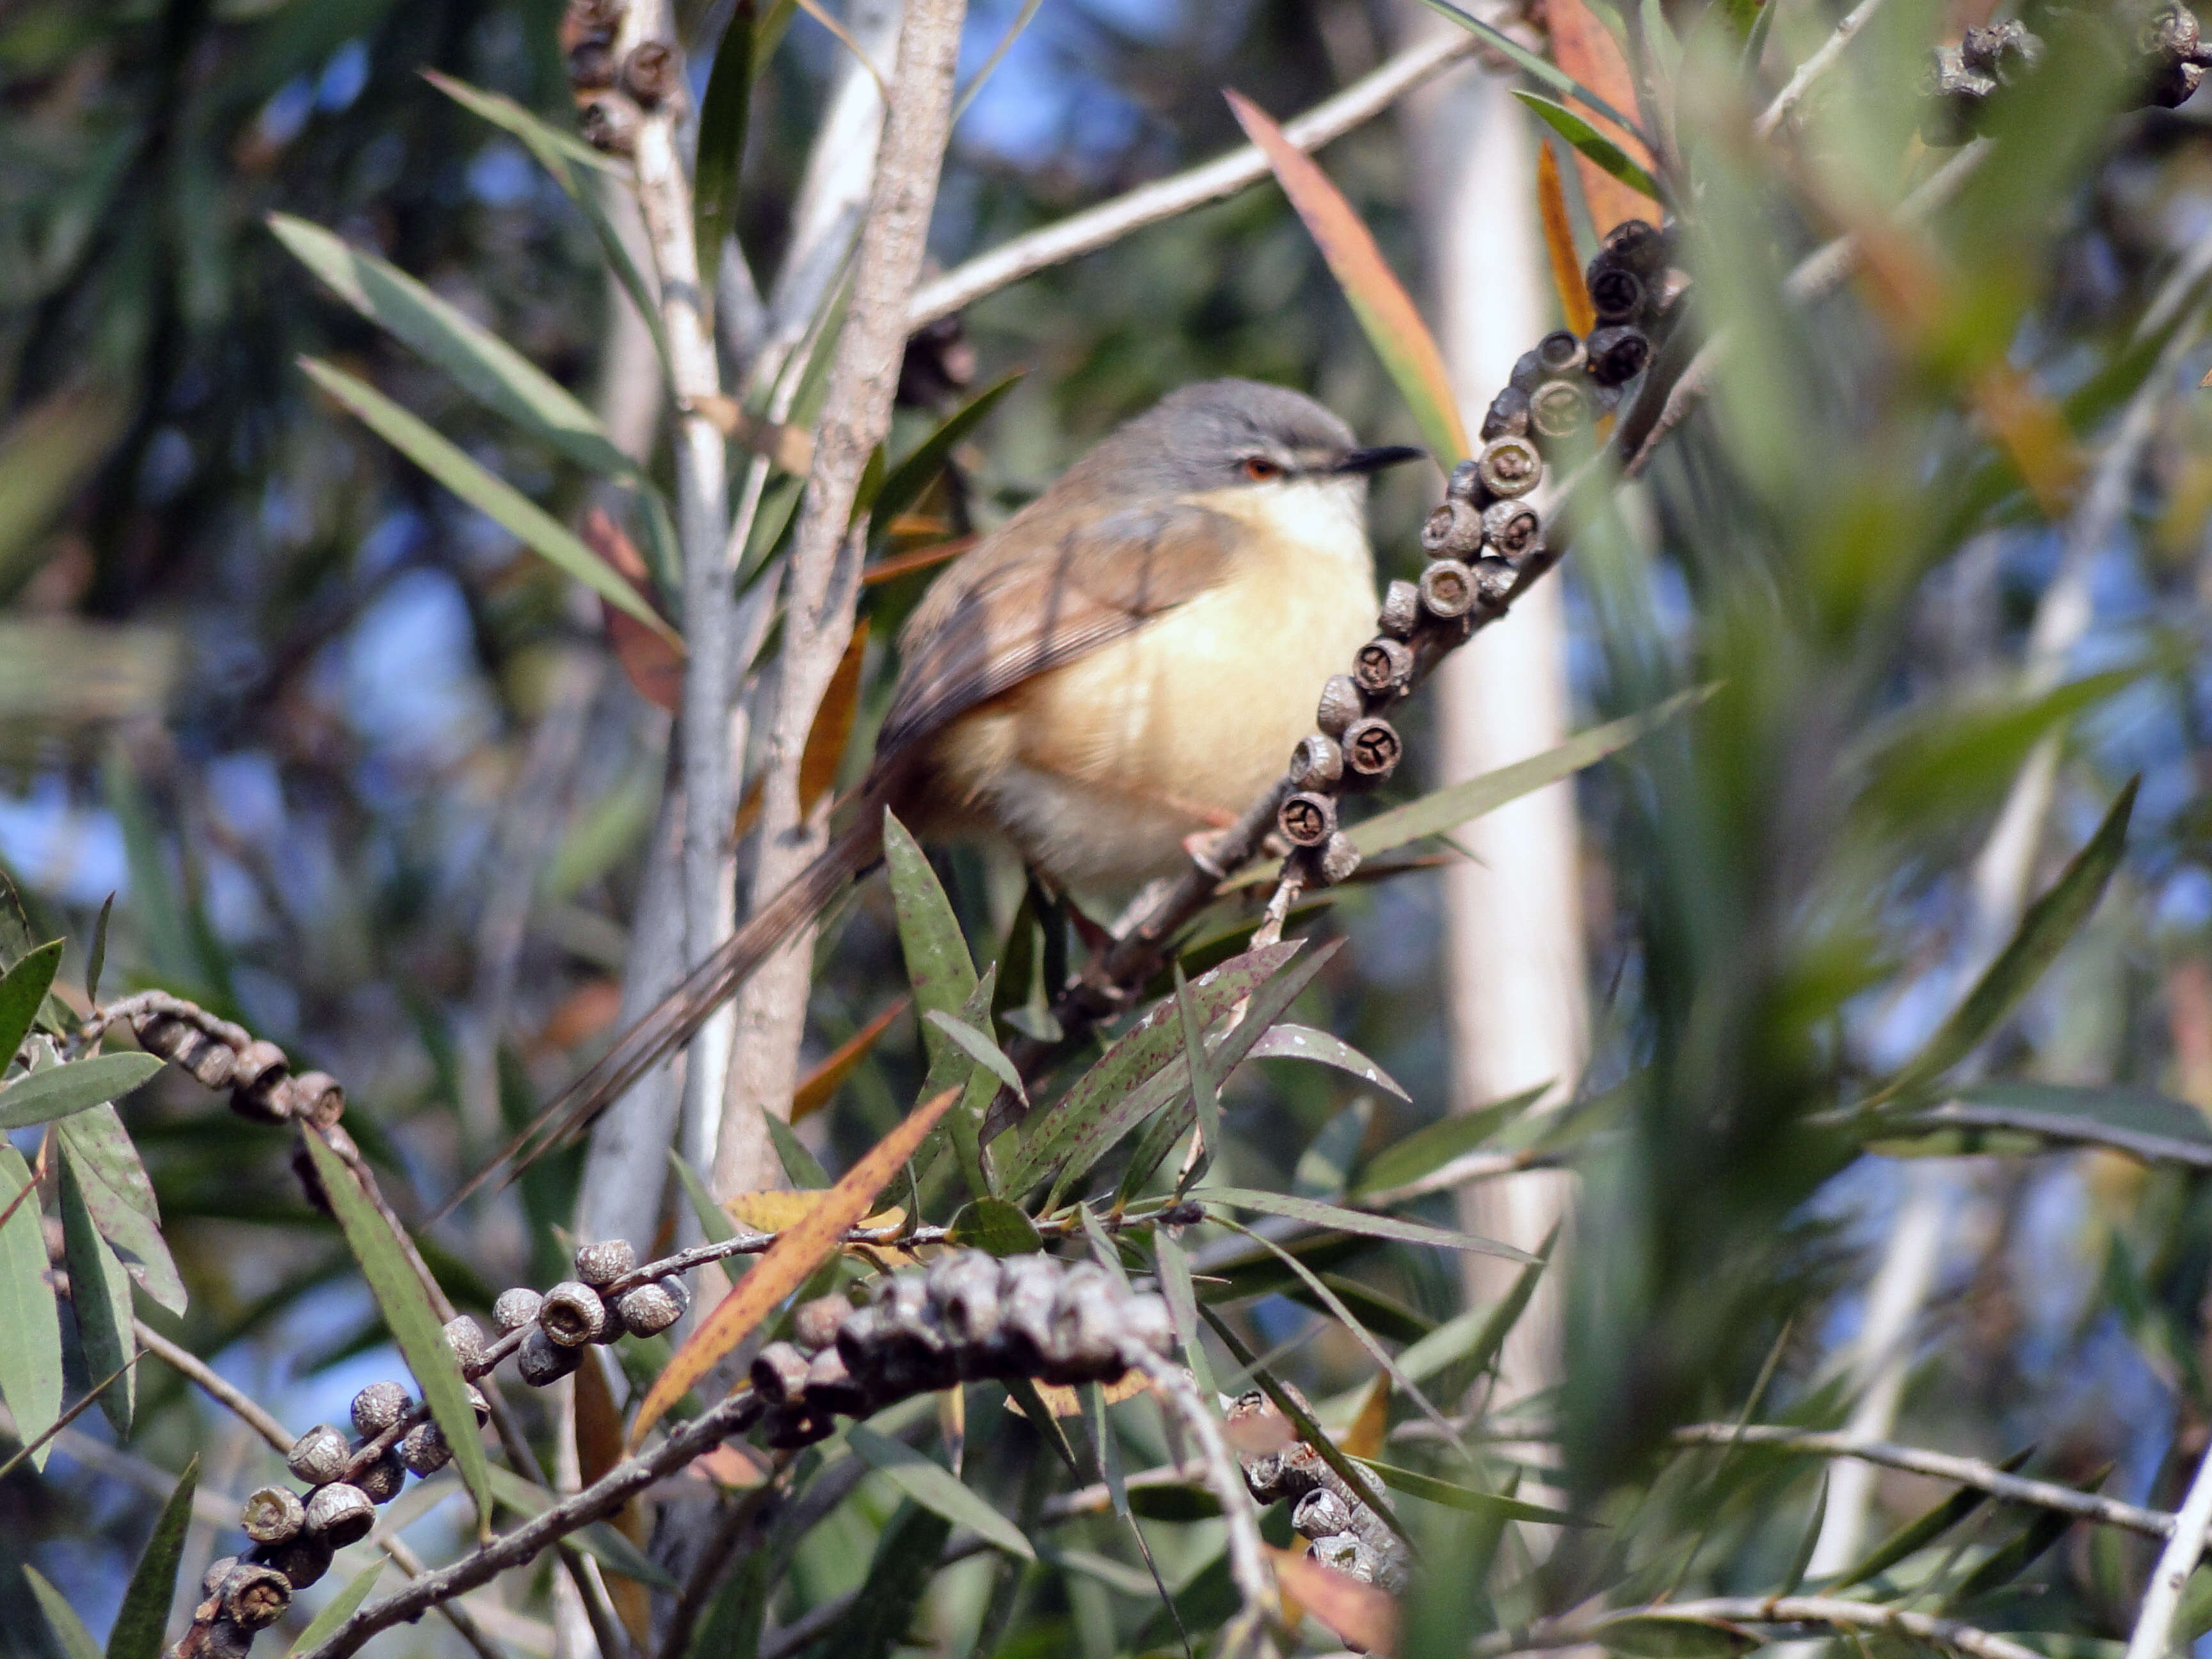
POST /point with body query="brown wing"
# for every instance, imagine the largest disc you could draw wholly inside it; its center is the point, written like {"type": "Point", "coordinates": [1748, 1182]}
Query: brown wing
{"type": "Point", "coordinates": [1042, 591]}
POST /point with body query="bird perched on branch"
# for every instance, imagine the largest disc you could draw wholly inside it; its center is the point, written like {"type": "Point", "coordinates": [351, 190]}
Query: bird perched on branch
{"type": "Point", "coordinates": [1124, 665]}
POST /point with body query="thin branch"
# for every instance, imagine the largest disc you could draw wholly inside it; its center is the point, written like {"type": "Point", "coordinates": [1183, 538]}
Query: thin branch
{"type": "Point", "coordinates": [1084, 232]}
{"type": "Point", "coordinates": [1812, 70]}
{"type": "Point", "coordinates": [2060, 1129]}
{"type": "Point", "coordinates": [2154, 1628]}
{"type": "Point", "coordinates": [1833, 1611]}
{"type": "Point", "coordinates": [1941, 1466]}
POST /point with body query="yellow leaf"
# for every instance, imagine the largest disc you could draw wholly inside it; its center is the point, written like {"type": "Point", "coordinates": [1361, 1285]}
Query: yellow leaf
{"type": "Point", "coordinates": [1396, 330]}
{"type": "Point", "coordinates": [820, 1086]}
{"type": "Point", "coordinates": [1063, 1402]}
{"type": "Point", "coordinates": [772, 1212]}
{"type": "Point", "coordinates": [1364, 1438]}
{"type": "Point", "coordinates": [799, 1249]}
{"type": "Point", "coordinates": [1559, 243]}
{"type": "Point", "coordinates": [825, 739]}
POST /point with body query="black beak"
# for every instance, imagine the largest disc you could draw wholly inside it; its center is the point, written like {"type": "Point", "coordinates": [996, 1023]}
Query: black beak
{"type": "Point", "coordinates": [1374, 460]}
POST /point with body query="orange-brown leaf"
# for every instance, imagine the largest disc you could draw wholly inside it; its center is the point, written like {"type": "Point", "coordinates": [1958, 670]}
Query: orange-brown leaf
{"type": "Point", "coordinates": [919, 558]}
{"type": "Point", "coordinates": [2034, 434]}
{"type": "Point", "coordinates": [1364, 1438]}
{"type": "Point", "coordinates": [1559, 242]}
{"type": "Point", "coordinates": [655, 667]}
{"type": "Point", "coordinates": [833, 723]}
{"type": "Point", "coordinates": [820, 1086]}
{"type": "Point", "coordinates": [598, 1449]}
{"type": "Point", "coordinates": [1393, 326]}
{"type": "Point", "coordinates": [797, 1252]}
{"type": "Point", "coordinates": [1585, 49]}
{"type": "Point", "coordinates": [1362, 1616]}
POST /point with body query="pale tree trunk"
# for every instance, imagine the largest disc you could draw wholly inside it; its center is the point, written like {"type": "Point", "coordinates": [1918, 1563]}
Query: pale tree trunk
{"type": "Point", "coordinates": [1513, 967]}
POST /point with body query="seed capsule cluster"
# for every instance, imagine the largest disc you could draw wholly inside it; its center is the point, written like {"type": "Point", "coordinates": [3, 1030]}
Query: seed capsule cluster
{"type": "Point", "coordinates": [966, 1315]}
{"type": "Point", "coordinates": [2167, 56]}
{"type": "Point", "coordinates": [1341, 1531]}
{"type": "Point", "coordinates": [612, 90]}
{"type": "Point", "coordinates": [1485, 543]}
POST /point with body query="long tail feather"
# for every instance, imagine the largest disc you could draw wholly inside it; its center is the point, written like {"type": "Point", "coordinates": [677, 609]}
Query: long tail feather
{"type": "Point", "coordinates": [680, 1014]}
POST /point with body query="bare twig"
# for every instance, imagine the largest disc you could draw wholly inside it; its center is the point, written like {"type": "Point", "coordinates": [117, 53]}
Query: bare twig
{"type": "Point", "coordinates": [1942, 1466]}
{"type": "Point", "coordinates": [1833, 1611]}
{"type": "Point", "coordinates": [1224, 175]}
{"type": "Point", "coordinates": [1812, 70]}
{"type": "Point", "coordinates": [2153, 1629]}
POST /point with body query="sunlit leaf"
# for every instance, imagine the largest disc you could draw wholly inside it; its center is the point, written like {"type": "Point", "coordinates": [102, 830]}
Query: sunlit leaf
{"type": "Point", "coordinates": [1393, 326]}
{"type": "Point", "coordinates": [789, 1263]}
{"type": "Point", "coordinates": [22, 993]}
{"type": "Point", "coordinates": [120, 1198]}
{"type": "Point", "coordinates": [936, 1488]}
{"type": "Point", "coordinates": [902, 486]}
{"type": "Point", "coordinates": [99, 1291]}
{"type": "Point", "coordinates": [76, 1085]}
{"type": "Point", "coordinates": [414, 1324]}
{"type": "Point", "coordinates": [773, 1212]}
{"type": "Point", "coordinates": [1560, 245]}
{"type": "Point", "coordinates": [938, 965]}
{"type": "Point", "coordinates": [1593, 146]}
{"type": "Point", "coordinates": [1356, 1221]}
{"type": "Point", "coordinates": [97, 958]}
{"type": "Point", "coordinates": [496, 498]}
{"type": "Point", "coordinates": [30, 1325]}
{"type": "Point", "coordinates": [819, 1086]}
{"type": "Point", "coordinates": [1452, 1495]}
{"type": "Point", "coordinates": [1305, 1043]}
{"type": "Point", "coordinates": [1550, 74]}
{"type": "Point", "coordinates": [1205, 1098]}
{"type": "Point", "coordinates": [142, 1622]}
{"type": "Point", "coordinates": [993, 1225]}
{"type": "Point", "coordinates": [1430, 1148]}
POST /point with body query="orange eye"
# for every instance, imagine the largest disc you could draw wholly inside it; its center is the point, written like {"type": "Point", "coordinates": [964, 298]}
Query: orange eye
{"type": "Point", "coordinates": [1259, 469]}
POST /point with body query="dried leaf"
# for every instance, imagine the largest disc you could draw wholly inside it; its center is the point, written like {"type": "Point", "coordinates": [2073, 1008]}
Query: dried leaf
{"type": "Point", "coordinates": [1064, 1402]}
{"type": "Point", "coordinates": [772, 1212]}
{"type": "Point", "coordinates": [1363, 1439]}
{"type": "Point", "coordinates": [1586, 50]}
{"type": "Point", "coordinates": [832, 729]}
{"type": "Point", "coordinates": [1560, 245]}
{"type": "Point", "coordinates": [918, 558]}
{"type": "Point", "coordinates": [654, 667]}
{"type": "Point", "coordinates": [1393, 326]}
{"type": "Point", "coordinates": [820, 1086]}
{"type": "Point", "coordinates": [1361, 1615]}
{"type": "Point", "coordinates": [797, 1251]}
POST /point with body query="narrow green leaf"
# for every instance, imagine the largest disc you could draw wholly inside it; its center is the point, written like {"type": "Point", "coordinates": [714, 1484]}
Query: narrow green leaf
{"type": "Point", "coordinates": [1326, 1166]}
{"type": "Point", "coordinates": [481, 363]}
{"type": "Point", "coordinates": [732, 1628]}
{"type": "Point", "coordinates": [121, 1199]}
{"type": "Point", "coordinates": [1663, 51]}
{"type": "Point", "coordinates": [952, 1067]}
{"type": "Point", "coordinates": [68, 1630]}
{"type": "Point", "coordinates": [881, 1617]}
{"type": "Point", "coordinates": [1541, 69]}
{"type": "Point", "coordinates": [1430, 1148]}
{"type": "Point", "coordinates": [1414, 1484]}
{"type": "Point", "coordinates": [98, 960]}
{"type": "Point", "coordinates": [100, 1290]}
{"type": "Point", "coordinates": [1587, 141]}
{"type": "Point", "coordinates": [720, 154]}
{"type": "Point", "coordinates": [1182, 1306]}
{"type": "Point", "coordinates": [1808, 1539]}
{"type": "Point", "coordinates": [1379, 1314]}
{"type": "Point", "coordinates": [980, 1049]}
{"type": "Point", "coordinates": [713, 1221]}
{"type": "Point", "coordinates": [996, 1226]}
{"type": "Point", "coordinates": [1109, 1464]}
{"type": "Point", "coordinates": [510, 116]}
{"type": "Point", "coordinates": [17, 937]}
{"type": "Point", "coordinates": [1917, 1533]}
{"type": "Point", "coordinates": [22, 993]}
{"type": "Point", "coordinates": [142, 1623]}
{"type": "Point", "coordinates": [76, 1085]}
{"type": "Point", "coordinates": [30, 1324]}
{"type": "Point", "coordinates": [1357, 1221]}
{"type": "Point", "coordinates": [1459, 1369]}
{"type": "Point", "coordinates": [1754, 43]}
{"type": "Point", "coordinates": [1304, 1043]}
{"type": "Point", "coordinates": [983, 75]}
{"type": "Point", "coordinates": [2017, 1554]}
{"type": "Point", "coordinates": [1205, 1099]}
{"type": "Point", "coordinates": [496, 498]}
{"type": "Point", "coordinates": [339, 1608]}
{"type": "Point", "coordinates": [804, 1169]}
{"type": "Point", "coordinates": [938, 964]}
{"type": "Point", "coordinates": [2044, 931]}
{"type": "Point", "coordinates": [1662, 1635]}
{"type": "Point", "coordinates": [937, 1489]}
{"type": "Point", "coordinates": [409, 1317]}
{"type": "Point", "coordinates": [1024, 1393]}
{"type": "Point", "coordinates": [905, 484]}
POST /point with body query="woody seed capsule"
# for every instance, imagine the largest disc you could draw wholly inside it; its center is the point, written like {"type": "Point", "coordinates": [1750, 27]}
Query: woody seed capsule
{"type": "Point", "coordinates": [1341, 704]}
{"type": "Point", "coordinates": [651, 73]}
{"type": "Point", "coordinates": [779, 1373]}
{"type": "Point", "coordinates": [1617, 356]}
{"type": "Point", "coordinates": [340, 1514]}
{"type": "Point", "coordinates": [319, 1456]}
{"type": "Point", "coordinates": [648, 1309]}
{"type": "Point", "coordinates": [605, 1262]}
{"type": "Point", "coordinates": [467, 1339]}
{"type": "Point", "coordinates": [1316, 763]}
{"type": "Point", "coordinates": [1306, 818]}
{"type": "Point", "coordinates": [1383, 665]}
{"type": "Point", "coordinates": [383, 1479]}
{"type": "Point", "coordinates": [272, 1515]}
{"type": "Point", "coordinates": [814, 1324]}
{"type": "Point", "coordinates": [1510, 467]}
{"type": "Point", "coordinates": [591, 66]}
{"type": "Point", "coordinates": [1372, 749]}
{"type": "Point", "coordinates": [254, 1075]}
{"type": "Point", "coordinates": [216, 1638]}
{"type": "Point", "coordinates": [1447, 590]}
{"type": "Point", "coordinates": [1465, 483]}
{"type": "Point", "coordinates": [1320, 1513]}
{"type": "Point", "coordinates": [1402, 610]}
{"type": "Point", "coordinates": [377, 1407]}
{"type": "Point", "coordinates": [572, 1314]}
{"type": "Point", "coordinates": [516, 1308]}
{"type": "Point", "coordinates": [1560, 354]}
{"type": "Point", "coordinates": [302, 1560]}
{"type": "Point", "coordinates": [1336, 861]}
{"type": "Point", "coordinates": [423, 1450]}
{"type": "Point", "coordinates": [1507, 415]}
{"type": "Point", "coordinates": [314, 1098]}
{"type": "Point", "coordinates": [609, 124]}
{"type": "Point", "coordinates": [541, 1360]}
{"type": "Point", "coordinates": [1616, 292]}
{"type": "Point", "coordinates": [1509, 529]}
{"type": "Point", "coordinates": [1560, 409]}
{"type": "Point", "coordinates": [829, 1387]}
{"type": "Point", "coordinates": [255, 1597]}
{"type": "Point", "coordinates": [1528, 372]}
{"type": "Point", "coordinates": [1456, 527]}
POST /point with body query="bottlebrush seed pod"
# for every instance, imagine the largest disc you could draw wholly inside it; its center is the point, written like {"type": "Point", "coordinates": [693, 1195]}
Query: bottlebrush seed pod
{"type": "Point", "coordinates": [1027, 1284]}
{"type": "Point", "coordinates": [862, 1345]}
{"type": "Point", "coordinates": [605, 1262]}
{"type": "Point", "coordinates": [1336, 861]}
{"type": "Point", "coordinates": [467, 1339]}
{"type": "Point", "coordinates": [216, 1638]}
{"type": "Point", "coordinates": [302, 1560]}
{"type": "Point", "coordinates": [1320, 1513]}
{"type": "Point", "coordinates": [378, 1407]}
{"type": "Point", "coordinates": [1509, 529]}
{"type": "Point", "coordinates": [1341, 704]}
{"type": "Point", "coordinates": [541, 1360]}
{"type": "Point", "coordinates": [648, 1311]}
{"type": "Point", "coordinates": [1616, 293]}
{"type": "Point", "coordinates": [1382, 664]}
{"type": "Point", "coordinates": [1560, 354]}
{"type": "Point", "coordinates": [678, 1291]}
{"type": "Point", "coordinates": [1372, 749]}
{"type": "Point", "coordinates": [320, 1455]}
{"type": "Point", "coordinates": [340, 1514]}
{"type": "Point", "coordinates": [516, 1308]}
{"type": "Point", "coordinates": [1453, 528]}
{"type": "Point", "coordinates": [963, 1285]}
{"type": "Point", "coordinates": [272, 1515]}
{"type": "Point", "coordinates": [572, 1314]}
{"type": "Point", "coordinates": [1560, 409]}
{"type": "Point", "coordinates": [651, 73]}
{"type": "Point", "coordinates": [478, 1403]}
{"type": "Point", "coordinates": [314, 1098]}
{"type": "Point", "coordinates": [1447, 589]}
{"type": "Point", "coordinates": [423, 1450]}
{"type": "Point", "coordinates": [591, 66]}
{"type": "Point", "coordinates": [1618, 354]}
{"type": "Point", "coordinates": [1494, 580]}
{"type": "Point", "coordinates": [609, 125]}
{"type": "Point", "coordinates": [1510, 467]}
{"type": "Point", "coordinates": [255, 1597]}
{"type": "Point", "coordinates": [254, 1075]}
{"type": "Point", "coordinates": [1527, 373]}
{"type": "Point", "coordinates": [814, 1324]}
{"type": "Point", "coordinates": [1086, 1327]}
{"type": "Point", "coordinates": [1507, 415]}
{"type": "Point", "coordinates": [1638, 244]}
{"type": "Point", "coordinates": [1345, 1553]}
{"type": "Point", "coordinates": [217, 1570]}
{"type": "Point", "coordinates": [1316, 763]}
{"type": "Point", "coordinates": [789, 1427]}
{"type": "Point", "coordinates": [1465, 483]}
{"type": "Point", "coordinates": [830, 1386]}
{"type": "Point", "coordinates": [212, 1064]}
{"type": "Point", "coordinates": [1146, 1321]}
{"type": "Point", "coordinates": [1402, 610]}
{"type": "Point", "coordinates": [1306, 818]}
{"type": "Point", "coordinates": [779, 1373]}
{"type": "Point", "coordinates": [382, 1480]}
